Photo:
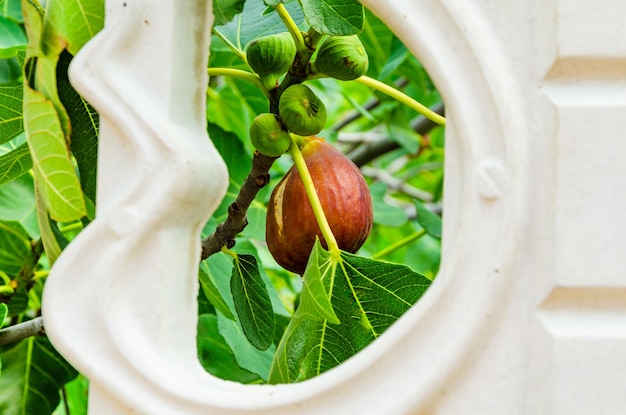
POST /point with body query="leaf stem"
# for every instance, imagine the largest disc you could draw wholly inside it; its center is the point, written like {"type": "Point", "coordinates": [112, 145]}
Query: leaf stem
{"type": "Point", "coordinates": [399, 244]}
{"type": "Point", "coordinates": [291, 26]}
{"type": "Point", "coordinates": [403, 98]}
{"type": "Point", "coordinates": [240, 53]}
{"type": "Point", "coordinates": [5, 278]}
{"type": "Point", "coordinates": [41, 274]}
{"type": "Point", "coordinates": [76, 226]}
{"type": "Point", "coordinates": [316, 205]}
{"type": "Point", "coordinates": [241, 74]}
{"type": "Point", "coordinates": [229, 252]}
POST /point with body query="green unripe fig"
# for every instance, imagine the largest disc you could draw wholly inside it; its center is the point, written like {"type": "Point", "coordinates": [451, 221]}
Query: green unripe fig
{"type": "Point", "coordinates": [270, 56]}
{"type": "Point", "coordinates": [301, 110]}
{"type": "Point", "coordinates": [268, 135]}
{"type": "Point", "coordinates": [342, 57]}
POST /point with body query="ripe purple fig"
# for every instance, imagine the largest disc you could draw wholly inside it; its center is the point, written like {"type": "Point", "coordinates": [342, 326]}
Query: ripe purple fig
{"type": "Point", "coordinates": [291, 227]}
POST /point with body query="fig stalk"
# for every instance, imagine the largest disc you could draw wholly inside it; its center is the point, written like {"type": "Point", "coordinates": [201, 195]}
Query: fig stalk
{"type": "Point", "coordinates": [291, 25]}
{"type": "Point", "coordinates": [314, 199]}
{"type": "Point", "coordinates": [402, 98]}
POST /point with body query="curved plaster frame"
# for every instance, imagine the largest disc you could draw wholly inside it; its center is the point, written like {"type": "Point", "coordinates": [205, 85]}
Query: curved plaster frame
{"type": "Point", "coordinates": [120, 302]}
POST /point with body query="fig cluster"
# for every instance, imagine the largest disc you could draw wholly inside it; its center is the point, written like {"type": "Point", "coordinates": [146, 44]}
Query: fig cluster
{"type": "Point", "coordinates": [300, 110]}
{"type": "Point", "coordinates": [291, 227]}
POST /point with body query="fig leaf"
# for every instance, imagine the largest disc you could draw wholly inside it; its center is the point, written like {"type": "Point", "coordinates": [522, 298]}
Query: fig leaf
{"type": "Point", "coordinates": [252, 302]}
{"type": "Point", "coordinates": [315, 300]}
{"type": "Point", "coordinates": [431, 222]}
{"type": "Point", "coordinates": [366, 295]}
{"type": "Point", "coordinates": [338, 18]}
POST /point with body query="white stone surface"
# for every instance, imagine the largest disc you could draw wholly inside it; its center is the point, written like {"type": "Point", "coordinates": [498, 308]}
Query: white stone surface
{"type": "Point", "coordinates": [528, 314]}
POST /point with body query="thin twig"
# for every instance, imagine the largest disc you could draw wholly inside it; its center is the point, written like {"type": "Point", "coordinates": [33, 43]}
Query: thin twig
{"type": "Point", "coordinates": [21, 331]}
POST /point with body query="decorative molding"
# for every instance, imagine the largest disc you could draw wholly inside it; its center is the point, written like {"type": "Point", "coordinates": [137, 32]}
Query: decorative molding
{"type": "Point", "coordinates": [128, 321]}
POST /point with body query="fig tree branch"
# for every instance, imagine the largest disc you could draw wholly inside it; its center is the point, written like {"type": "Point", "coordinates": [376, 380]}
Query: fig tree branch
{"type": "Point", "coordinates": [365, 154]}
{"type": "Point", "coordinates": [21, 331]}
{"type": "Point", "coordinates": [236, 221]}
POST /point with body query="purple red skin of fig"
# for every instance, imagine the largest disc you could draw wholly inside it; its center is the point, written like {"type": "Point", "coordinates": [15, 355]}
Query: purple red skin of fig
{"type": "Point", "coordinates": [291, 227]}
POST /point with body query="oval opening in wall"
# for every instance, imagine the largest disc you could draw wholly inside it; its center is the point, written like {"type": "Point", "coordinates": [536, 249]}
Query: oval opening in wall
{"type": "Point", "coordinates": [444, 328]}
{"type": "Point", "coordinates": [276, 307]}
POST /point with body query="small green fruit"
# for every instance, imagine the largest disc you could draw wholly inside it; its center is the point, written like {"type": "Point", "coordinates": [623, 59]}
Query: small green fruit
{"type": "Point", "coordinates": [301, 110]}
{"type": "Point", "coordinates": [268, 135]}
{"type": "Point", "coordinates": [270, 56]}
{"type": "Point", "coordinates": [342, 57]}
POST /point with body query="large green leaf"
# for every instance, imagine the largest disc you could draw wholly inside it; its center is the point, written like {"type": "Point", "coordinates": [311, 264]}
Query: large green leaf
{"type": "Point", "coordinates": [75, 396]}
{"type": "Point", "coordinates": [11, 123]}
{"type": "Point", "coordinates": [52, 165]}
{"type": "Point", "coordinates": [376, 38]}
{"type": "Point", "coordinates": [48, 236]}
{"type": "Point", "coordinates": [225, 10]}
{"type": "Point", "coordinates": [12, 9]}
{"type": "Point", "coordinates": [247, 356]}
{"type": "Point", "coordinates": [252, 302]}
{"type": "Point", "coordinates": [367, 297]}
{"type": "Point", "coordinates": [13, 38]}
{"type": "Point", "coordinates": [76, 21]}
{"type": "Point", "coordinates": [227, 109]}
{"type": "Point", "coordinates": [398, 54]}
{"type": "Point", "coordinates": [339, 17]}
{"type": "Point", "coordinates": [315, 298]}
{"type": "Point", "coordinates": [15, 247]}
{"type": "Point", "coordinates": [213, 294]}
{"type": "Point", "coordinates": [4, 311]}
{"type": "Point", "coordinates": [32, 374]}
{"type": "Point", "coordinates": [17, 263]}
{"type": "Point", "coordinates": [17, 199]}
{"type": "Point", "coordinates": [232, 151]}
{"type": "Point", "coordinates": [10, 72]}
{"type": "Point", "coordinates": [384, 213]}
{"type": "Point", "coordinates": [429, 220]}
{"type": "Point", "coordinates": [216, 356]}
{"type": "Point", "coordinates": [254, 22]}
{"type": "Point", "coordinates": [15, 163]}
{"type": "Point", "coordinates": [85, 127]}
{"type": "Point", "coordinates": [3, 314]}
{"type": "Point", "coordinates": [399, 129]}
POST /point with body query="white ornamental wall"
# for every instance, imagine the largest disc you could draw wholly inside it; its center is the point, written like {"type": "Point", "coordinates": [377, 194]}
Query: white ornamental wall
{"type": "Point", "coordinates": [528, 314]}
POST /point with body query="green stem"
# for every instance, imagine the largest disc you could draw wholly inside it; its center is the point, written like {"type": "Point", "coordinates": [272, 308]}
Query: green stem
{"type": "Point", "coordinates": [240, 53]}
{"type": "Point", "coordinates": [316, 205]}
{"type": "Point", "coordinates": [241, 74]}
{"type": "Point", "coordinates": [6, 290]}
{"type": "Point", "coordinates": [229, 252]}
{"type": "Point", "coordinates": [291, 26]}
{"type": "Point", "coordinates": [403, 98]}
{"type": "Point", "coordinates": [399, 244]}
{"type": "Point", "coordinates": [313, 38]}
{"type": "Point", "coordinates": [71, 227]}
{"type": "Point", "coordinates": [41, 274]}
{"type": "Point", "coordinates": [5, 278]}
